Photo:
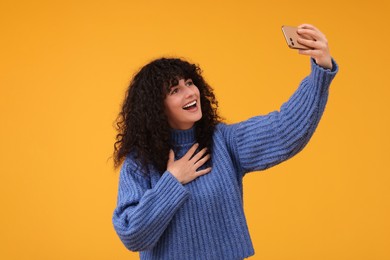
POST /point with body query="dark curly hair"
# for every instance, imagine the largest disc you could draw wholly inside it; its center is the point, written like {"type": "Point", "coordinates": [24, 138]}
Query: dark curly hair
{"type": "Point", "coordinates": [142, 125]}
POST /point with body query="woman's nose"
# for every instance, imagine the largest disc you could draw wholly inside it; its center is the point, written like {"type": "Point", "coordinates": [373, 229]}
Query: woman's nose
{"type": "Point", "coordinates": [189, 92]}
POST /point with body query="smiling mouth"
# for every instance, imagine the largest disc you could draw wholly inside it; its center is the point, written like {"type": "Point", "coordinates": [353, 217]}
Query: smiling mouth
{"type": "Point", "coordinates": [190, 105]}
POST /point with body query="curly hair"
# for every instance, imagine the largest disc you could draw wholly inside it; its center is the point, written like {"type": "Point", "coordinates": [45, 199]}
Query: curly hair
{"type": "Point", "coordinates": [142, 124]}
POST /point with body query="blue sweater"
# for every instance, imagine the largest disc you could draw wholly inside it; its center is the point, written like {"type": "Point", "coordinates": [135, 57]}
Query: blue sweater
{"type": "Point", "coordinates": [205, 219]}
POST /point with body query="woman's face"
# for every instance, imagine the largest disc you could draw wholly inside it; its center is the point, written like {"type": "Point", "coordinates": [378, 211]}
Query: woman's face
{"type": "Point", "coordinates": [182, 105]}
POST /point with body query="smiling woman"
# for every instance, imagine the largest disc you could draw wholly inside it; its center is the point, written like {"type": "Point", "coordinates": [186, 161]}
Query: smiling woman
{"type": "Point", "coordinates": [181, 182]}
{"type": "Point", "coordinates": [161, 98]}
{"type": "Point", "coordinates": [182, 105]}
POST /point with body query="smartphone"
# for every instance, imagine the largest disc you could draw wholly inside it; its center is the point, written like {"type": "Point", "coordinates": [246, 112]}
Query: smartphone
{"type": "Point", "coordinates": [291, 35]}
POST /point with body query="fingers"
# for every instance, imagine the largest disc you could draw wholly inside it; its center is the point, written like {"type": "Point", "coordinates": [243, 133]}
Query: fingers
{"type": "Point", "coordinates": [191, 151]}
{"type": "Point", "coordinates": [311, 31]}
{"type": "Point", "coordinates": [312, 44]}
{"type": "Point", "coordinates": [308, 43]}
{"type": "Point", "coordinates": [185, 169]}
{"type": "Point", "coordinates": [203, 172]}
{"type": "Point", "coordinates": [202, 161]}
{"type": "Point", "coordinates": [307, 26]}
{"type": "Point", "coordinates": [194, 158]}
{"type": "Point", "coordinates": [318, 40]}
{"type": "Point", "coordinates": [198, 155]}
{"type": "Point", "coordinates": [313, 38]}
{"type": "Point", "coordinates": [310, 34]}
{"type": "Point", "coordinates": [319, 52]}
{"type": "Point", "coordinates": [171, 157]}
{"type": "Point", "coordinates": [312, 53]}
{"type": "Point", "coordinates": [320, 44]}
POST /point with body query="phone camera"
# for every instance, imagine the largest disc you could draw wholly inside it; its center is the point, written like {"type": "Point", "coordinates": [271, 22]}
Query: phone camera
{"type": "Point", "coordinates": [292, 42]}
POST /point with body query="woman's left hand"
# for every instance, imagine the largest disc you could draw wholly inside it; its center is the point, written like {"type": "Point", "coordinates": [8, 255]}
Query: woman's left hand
{"type": "Point", "coordinates": [318, 44]}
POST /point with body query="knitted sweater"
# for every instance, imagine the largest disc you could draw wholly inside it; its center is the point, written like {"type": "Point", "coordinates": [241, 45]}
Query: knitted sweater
{"type": "Point", "coordinates": [204, 219]}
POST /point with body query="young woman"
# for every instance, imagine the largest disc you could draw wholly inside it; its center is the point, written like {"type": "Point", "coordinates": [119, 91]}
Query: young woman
{"type": "Point", "coordinates": [180, 187]}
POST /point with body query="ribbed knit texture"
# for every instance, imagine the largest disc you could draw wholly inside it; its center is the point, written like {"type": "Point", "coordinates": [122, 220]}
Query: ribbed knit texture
{"type": "Point", "coordinates": [204, 219]}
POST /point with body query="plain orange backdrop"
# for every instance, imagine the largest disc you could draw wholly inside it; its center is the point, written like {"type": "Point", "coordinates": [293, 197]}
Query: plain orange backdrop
{"type": "Point", "coordinates": [64, 67]}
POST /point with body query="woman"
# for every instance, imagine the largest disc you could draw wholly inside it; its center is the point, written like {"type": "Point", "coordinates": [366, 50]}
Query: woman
{"type": "Point", "coordinates": [180, 188]}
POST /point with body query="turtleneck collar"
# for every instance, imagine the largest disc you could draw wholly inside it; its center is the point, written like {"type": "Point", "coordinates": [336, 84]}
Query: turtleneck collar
{"type": "Point", "coordinates": [183, 137]}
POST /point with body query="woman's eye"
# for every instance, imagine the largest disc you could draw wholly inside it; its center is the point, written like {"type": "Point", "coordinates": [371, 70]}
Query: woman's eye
{"type": "Point", "coordinates": [189, 83]}
{"type": "Point", "coordinates": [173, 91]}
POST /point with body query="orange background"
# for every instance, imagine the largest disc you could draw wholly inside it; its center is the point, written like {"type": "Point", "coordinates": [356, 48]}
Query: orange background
{"type": "Point", "coordinates": [64, 67]}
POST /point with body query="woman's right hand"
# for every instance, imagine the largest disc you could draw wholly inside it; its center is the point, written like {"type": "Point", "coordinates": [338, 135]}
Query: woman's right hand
{"type": "Point", "coordinates": [316, 40]}
{"type": "Point", "coordinates": [185, 169]}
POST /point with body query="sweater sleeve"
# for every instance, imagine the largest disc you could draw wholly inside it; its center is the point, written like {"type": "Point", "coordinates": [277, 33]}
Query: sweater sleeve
{"type": "Point", "coordinates": [143, 213]}
{"type": "Point", "coordinates": [264, 141]}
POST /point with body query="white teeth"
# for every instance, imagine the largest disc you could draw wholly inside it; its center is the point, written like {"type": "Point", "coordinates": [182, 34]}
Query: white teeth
{"type": "Point", "coordinates": [190, 104]}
